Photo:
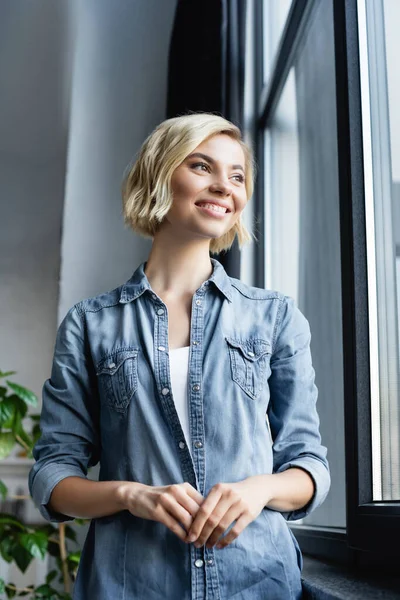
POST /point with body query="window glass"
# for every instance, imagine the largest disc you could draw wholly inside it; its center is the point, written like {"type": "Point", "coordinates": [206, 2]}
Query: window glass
{"type": "Point", "coordinates": [275, 14]}
{"type": "Point", "coordinates": [379, 22]}
{"type": "Point", "coordinates": [302, 229]}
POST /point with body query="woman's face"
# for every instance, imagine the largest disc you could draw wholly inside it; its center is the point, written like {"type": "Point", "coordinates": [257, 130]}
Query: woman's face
{"type": "Point", "coordinates": [208, 188]}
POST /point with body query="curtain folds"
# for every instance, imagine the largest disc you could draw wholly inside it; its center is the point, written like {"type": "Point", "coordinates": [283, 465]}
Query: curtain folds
{"type": "Point", "coordinates": [206, 70]}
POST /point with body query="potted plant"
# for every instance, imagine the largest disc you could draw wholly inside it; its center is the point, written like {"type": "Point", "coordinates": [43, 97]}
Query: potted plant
{"type": "Point", "coordinates": [22, 542]}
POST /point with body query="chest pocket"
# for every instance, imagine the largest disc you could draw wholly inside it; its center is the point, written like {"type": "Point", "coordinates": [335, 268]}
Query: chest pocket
{"type": "Point", "coordinates": [249, 360]}
{"type": "Point", "coordinates": [118, 377]}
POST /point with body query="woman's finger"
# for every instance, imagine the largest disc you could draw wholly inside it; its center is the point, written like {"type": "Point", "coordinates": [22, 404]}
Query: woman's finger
{"type": "Point", "coordinates": [193, 493]}
{"type": "Point", "coordinates": [218, 522]}
{"type": "Point", "coordinates": [236, 530]}
{"type": "Point", "coordinates": [164, 517]}
{"type": "Point", "coordinates": [204, 512]}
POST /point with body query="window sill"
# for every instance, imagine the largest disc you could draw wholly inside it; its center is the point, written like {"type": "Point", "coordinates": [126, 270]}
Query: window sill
{"type": "Point", "coordinates": [324, 581]}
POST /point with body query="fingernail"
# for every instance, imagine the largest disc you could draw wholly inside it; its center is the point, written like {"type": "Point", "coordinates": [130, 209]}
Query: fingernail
{"type": "Point", "coordinates": [198, 544]}
{"type": "Point", "coordinates": [191, 537]}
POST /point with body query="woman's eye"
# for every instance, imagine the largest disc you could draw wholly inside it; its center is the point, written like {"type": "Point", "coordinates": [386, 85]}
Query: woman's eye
{"type": "Point", "coordinates": [239, 178]}
{"type": "Point", "coordinates": [203, 166]}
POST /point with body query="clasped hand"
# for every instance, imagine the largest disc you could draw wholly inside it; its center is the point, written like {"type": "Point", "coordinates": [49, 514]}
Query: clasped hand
{"type": "Point", "coordinates": [190, 516]}
{"type": "Point", "coordinates": [225, 503]}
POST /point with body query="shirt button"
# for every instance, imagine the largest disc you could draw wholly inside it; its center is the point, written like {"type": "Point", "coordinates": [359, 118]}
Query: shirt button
{"type": "Point", "coordinates": [195, 343]}
{"type": "Point", "coordinates": [160, 311]}
{"type": "Point", "coordinates": [209, 562]}
{"type": "Point", "coordinates": [198, 563]}
{"type": "Point", "coordinates": [154, 296]}
{"type": "Point", "coordinates": [198, 302]}
{"type": "Point", "coordinates": [251, 353]}
{"type": "Point", "coordinates": [161, 348]}
{"type": "Point", "coordinates": [111, 365]}
{"type": "Point", "coordinates": [198, 444]}
{"type": "Point", "coordinates": [165, 391]}
{"type": "Point", "coordinates": [196, 388]}
{"type": "Point", "coordinates": [182, 445]}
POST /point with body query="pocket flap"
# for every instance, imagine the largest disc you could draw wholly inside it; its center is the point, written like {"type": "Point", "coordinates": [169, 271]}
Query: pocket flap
{"type": "Point", "coordinates": [112, 362]}
{"type": "Point", "coordinates": [252, 349]}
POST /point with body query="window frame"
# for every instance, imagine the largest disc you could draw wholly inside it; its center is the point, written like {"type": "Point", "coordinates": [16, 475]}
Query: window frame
{"type": "Point", "coordinates": [372, 527]}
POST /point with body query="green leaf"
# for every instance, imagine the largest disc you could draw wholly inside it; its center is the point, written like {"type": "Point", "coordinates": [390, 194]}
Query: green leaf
{"type": "Point", "coordinates": [3, 391]}
{"type": "Point", "coordinates": [45, 590]}
{"type": "Point", "coordinates": [50, 576]}
{"type": "Point", "coordinates": [10, 592]}
{"type": "Point", "coordinates": [5, 546]}
{"type": "Point", "coordinates": [79, 521]}
{"type": "Point", "coordinates": [7, 443]}
{"type": "Point", "coordinates": [22, 557]}
{"type": "Point", "coordinates": [74, 556]}
{"type": "Point", "coordinates": [19, 431]}
{"type": "Point", "coordinates": [7, 412]}
{"type": "Point", "coordinates": [35, 417]}
{"type": "Point", "coordinates": [2, 586]}
{"type": "Point", "coordinates": [6, 519]}
{"type": "Point", "coordinates": [3, 490]}
{"type": "Point", "coordinates": [26, 395]}
{"type": "Point", "coordinates": [6, 373]}
{"type": "Point", "coordinates": [35, 543]}
{"type": "Point", "coordinates": [70, 533]}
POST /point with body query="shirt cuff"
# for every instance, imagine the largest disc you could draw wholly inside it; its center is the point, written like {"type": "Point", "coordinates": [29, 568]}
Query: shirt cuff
{"type": "Point", "coordinates": [43, 484]}
{"type": "Point", "coordinates": [321, 477]}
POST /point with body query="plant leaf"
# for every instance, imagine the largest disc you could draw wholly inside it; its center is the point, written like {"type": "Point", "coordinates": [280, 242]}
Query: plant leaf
{"type": "Point", "coordinates": [22, 557]}
{"type": "Point", "coordinates": [2, 586]}
{"type": "Point", "coordinates": [35, 543]}
{"type": "Point", "coordinates": [3, 490]}
{"type": "Point", "coordinates": [10, 592]}
{"type": "Point", "coordinates": [6, 373]}
{"type": "Point", "coordinates": [50, 576]}
{"type": "Point", "coordinates": [6, 519]}
{"type": "Point", "coordinates": [70, 533]}
{"type": "Point", "coordinates": [26, 395]}
{"type": "Point", "coordinates": [74, 556]}
{"type": "Point", "coordinates": [7, 443]}
{"type": "Point", "coordinates": [20, 431]}
{"type": "Point", "coordinates": [7, 412]}
{"type": "Point", "coordinates": [5, 546]}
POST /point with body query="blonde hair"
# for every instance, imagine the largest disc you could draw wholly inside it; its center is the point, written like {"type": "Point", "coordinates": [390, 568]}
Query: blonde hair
{"type": "Point", "coordinates": [146, 188]}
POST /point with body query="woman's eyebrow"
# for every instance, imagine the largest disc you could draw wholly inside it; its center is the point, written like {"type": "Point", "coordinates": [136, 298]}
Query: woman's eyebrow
{"type": "Point", "coordinates": [211, 160]}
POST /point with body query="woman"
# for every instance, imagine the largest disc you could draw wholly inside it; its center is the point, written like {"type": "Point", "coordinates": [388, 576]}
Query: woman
{"type": "Point", "coordinates": [194, 391]}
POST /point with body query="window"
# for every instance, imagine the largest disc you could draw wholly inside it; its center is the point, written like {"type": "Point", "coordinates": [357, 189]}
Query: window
{"type": "Point", "coordinates": [328, 138]}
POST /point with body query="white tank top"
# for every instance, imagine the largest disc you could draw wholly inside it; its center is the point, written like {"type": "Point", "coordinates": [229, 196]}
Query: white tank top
{"type": "Point", "coordinates": [179, 367]}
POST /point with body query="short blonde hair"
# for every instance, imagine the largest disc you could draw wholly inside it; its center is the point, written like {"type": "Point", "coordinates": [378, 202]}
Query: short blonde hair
{"type": "Point", "coordinates": [146, 188]}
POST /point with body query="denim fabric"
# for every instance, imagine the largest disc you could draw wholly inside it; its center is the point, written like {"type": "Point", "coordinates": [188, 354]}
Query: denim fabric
{"type": "Point", "coordinates": [252, 410]}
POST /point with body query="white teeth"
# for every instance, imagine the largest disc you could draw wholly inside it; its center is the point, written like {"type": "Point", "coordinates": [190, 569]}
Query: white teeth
{"type": "Point", "coordinates": [220, 209]}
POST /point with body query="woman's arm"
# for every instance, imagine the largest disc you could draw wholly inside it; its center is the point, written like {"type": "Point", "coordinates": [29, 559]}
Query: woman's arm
{"type": "Point", "coordinates": [79, 497]}
{"type": "Point", "coordinates": [290, 490]}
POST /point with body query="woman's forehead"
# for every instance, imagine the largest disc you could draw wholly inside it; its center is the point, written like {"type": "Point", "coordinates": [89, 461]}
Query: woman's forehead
{"type": "Point", "coordinates": [222, 148]}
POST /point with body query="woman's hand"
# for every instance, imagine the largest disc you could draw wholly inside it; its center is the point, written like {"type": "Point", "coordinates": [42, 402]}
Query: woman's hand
{"type": "Point", "coordinates": [227, 502]}
{"type": "Point", "coordinates": [173, 505]}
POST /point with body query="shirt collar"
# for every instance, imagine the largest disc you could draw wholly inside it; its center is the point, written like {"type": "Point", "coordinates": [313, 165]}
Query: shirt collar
{"type": "Point", "coordinates": [139, 283]}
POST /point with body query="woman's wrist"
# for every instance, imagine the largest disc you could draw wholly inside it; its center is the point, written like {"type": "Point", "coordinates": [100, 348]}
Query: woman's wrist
{"type": "Point", "coordinates": [125, 493]}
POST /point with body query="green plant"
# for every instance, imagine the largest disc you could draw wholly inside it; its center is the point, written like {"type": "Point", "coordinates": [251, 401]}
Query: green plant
{"type": "Point", "coordinates": [20, 542]}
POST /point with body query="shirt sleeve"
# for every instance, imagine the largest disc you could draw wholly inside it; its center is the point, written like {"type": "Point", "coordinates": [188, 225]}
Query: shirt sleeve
{"type": "Point", "coordinates": [292, 413]}
{"type": "Point", "coordinates": [69, 422]}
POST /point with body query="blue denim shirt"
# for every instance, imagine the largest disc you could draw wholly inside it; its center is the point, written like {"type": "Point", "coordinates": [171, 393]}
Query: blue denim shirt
{"type": "Point", "coordinates": [252, 410]}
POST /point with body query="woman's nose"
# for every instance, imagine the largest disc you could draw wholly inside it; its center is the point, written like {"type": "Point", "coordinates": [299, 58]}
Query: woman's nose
{"type": "Point", "coordinates": [221, 186]}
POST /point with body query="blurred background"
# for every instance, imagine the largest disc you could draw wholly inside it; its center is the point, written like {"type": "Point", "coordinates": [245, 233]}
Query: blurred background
{"type": "Point", "coordinates": [313, 84]}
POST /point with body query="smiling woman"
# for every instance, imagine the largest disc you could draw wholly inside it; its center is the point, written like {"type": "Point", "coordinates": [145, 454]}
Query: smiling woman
{"type": "Point", "coordinates": [204, 452]}
{"type": "Point", "coordinates": [209, 147]}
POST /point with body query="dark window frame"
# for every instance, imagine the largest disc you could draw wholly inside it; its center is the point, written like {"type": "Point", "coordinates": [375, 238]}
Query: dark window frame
{"type": "Point", "coordinates": [372, 527]}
